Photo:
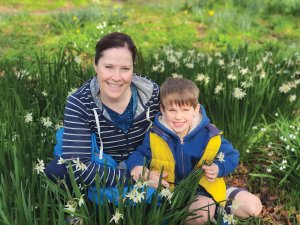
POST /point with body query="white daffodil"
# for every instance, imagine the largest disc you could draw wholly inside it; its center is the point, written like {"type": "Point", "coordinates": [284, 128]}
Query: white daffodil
{"type": "Point", "coordinates": [79, 165]}
{"type": "Point", "coordinates": [46, 122]}
{"type": "Point", "coordinates": [28, 118]}
{"type": "Point", "coordinates": [71, 206]}
{"type": "Point", "coordinates": [292, 98]}
{"type": "Point", "coordinates": [135, 195]}
{"type": "Point", "coordinates": [77, 59]}
{"type": "Point", "coordinates": [259, 66]}
{"type": "Point", "coordinates": [81, 201]}
{"type": "Point", "coordinates": [44, 93]}
{"type": "Point", "coordinates": [285, 88]}
{"type": "Point", "coordinates": [141, 184]}
{"type": "Point", "coordinates": [228, 218]}
{"type": "Point", "coordinates": [262, 75]}
{"type": "Point", "coordinates": [221, 62]}
{"type": "Point", "coordinates": [176, 75]}
{"type": "Point", "coordinates": [238, 93]}
{"type": "Point", "coordinates": [58, 125]}
{"type": "Point", "coordinates": [246, 84]}
{"type": "Point", "coordinates": [244, 71]}
{"type": "Point", "coordinates": [116, 217]}
{"type": "Point", "coordinates": [40, 166]}
{"type": "Point", "coordinates": [221, 157]}
{"type": "Point", "coordinates": [218, 54]}
{"type": "Point", "coordinates": [61, 161]}
{"type": "Point", "coordinates": [218, 88]}
{"type": "Point", "coordinates": [166, 193]}
{"type": "Point", "coordinates": [231, 77]}
{"type": "Point", "coordinates": [202, 77]}
{"type": "Point", "coordinates": [190, 65]}
{"type": "Point", "coordinates": [209, 60]}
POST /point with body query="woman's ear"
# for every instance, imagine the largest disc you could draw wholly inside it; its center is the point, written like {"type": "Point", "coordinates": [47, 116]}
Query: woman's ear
{"type": "Point", "coordinates": [161, 108]}
{"type": "Point", "coordinates": [95, 67]}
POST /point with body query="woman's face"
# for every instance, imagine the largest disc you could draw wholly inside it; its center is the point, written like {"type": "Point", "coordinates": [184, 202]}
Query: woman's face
{"type": "Point", "coordinates": [114, 73]}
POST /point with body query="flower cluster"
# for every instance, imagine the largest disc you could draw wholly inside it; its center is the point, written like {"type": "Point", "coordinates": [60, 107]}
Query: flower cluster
{"type": "Point", "coordinates": [116, 217]}
{"type": "Point", "coordinates": [166, 193]}
{"type": "Point", "coordinates": [40, 166]}
{"type": "Point", "coordinates": [135, 195]}
{"type": "Point", "coordinates": [72, 205]}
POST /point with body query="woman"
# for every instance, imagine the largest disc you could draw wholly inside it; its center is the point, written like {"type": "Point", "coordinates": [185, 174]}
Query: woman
{"type": "Point", "coordinates": [117, 105]}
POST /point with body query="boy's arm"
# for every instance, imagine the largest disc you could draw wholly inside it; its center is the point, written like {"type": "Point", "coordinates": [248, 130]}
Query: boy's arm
{"type": "Point", "coordinates": [142, 152]}
{"type": "Point", "coordinates": [227, 158]}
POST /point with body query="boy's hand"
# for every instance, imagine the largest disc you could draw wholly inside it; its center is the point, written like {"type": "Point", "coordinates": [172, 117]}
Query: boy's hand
{"type": "Point", "coordinates": [154, 179]}
{"type": "Point", "coordinates": [211, 171]}
{"type": "Point", "coordinates": [137, 172]}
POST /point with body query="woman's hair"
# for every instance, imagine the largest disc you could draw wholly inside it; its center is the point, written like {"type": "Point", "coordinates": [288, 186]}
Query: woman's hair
{"type": "Point", "coordinates": [178, 91]}
{"type": "Point", "coordinates": [114, 40]}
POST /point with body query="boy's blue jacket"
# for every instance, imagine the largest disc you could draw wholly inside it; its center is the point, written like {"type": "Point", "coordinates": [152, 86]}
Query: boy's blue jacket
{"type": "Point", "coordinates": [187, 152]}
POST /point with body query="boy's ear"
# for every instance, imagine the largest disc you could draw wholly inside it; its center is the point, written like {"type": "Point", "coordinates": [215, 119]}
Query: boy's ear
{"type": "Point", "coordinates": [197, 109]}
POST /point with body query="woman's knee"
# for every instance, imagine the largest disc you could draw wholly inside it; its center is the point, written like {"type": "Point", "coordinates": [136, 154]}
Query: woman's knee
{"type": "Point", "coordinates": [56, 171]}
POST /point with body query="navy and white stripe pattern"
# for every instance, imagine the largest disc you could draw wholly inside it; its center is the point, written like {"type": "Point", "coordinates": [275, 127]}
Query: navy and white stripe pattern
{"type": "Point", "coordinates": [79, 123]}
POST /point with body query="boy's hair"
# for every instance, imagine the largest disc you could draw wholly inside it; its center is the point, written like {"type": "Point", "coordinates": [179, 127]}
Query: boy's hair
{"type": "Point", "coordinates": [178, 91]}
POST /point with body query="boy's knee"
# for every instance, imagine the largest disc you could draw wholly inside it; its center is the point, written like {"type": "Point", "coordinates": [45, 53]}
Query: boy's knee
{"type": "Point", "coordinates": [255, 207]}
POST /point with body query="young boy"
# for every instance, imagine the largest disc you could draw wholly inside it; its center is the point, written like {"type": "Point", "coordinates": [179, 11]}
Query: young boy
{"type": "Point", "coordinates": [180, 140]}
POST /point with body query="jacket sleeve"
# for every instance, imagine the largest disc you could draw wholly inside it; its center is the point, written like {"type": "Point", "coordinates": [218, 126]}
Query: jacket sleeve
{"type": "Point", "coordinates": [227, 158]}
{"type": "Point", "coordinates": [76, 147]}
{"type": "Point", "coordinates": [142, 153]}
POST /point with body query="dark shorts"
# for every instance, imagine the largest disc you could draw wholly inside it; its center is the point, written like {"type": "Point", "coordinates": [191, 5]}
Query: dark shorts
{"type": "Point", "coordinates": [231, 192]}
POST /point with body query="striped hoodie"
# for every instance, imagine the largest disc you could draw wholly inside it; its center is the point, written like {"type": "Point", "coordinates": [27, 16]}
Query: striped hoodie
{"type": "Point", "coordinates": [79, 123]}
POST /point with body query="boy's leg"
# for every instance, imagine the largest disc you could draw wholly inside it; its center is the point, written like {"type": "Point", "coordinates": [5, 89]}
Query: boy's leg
{"type": "Point", "coordinates": [244, 203]}
{"type": "Point", "coordinates": [204, 203]}
{"type": "Point", "coordinates": [57, 172]}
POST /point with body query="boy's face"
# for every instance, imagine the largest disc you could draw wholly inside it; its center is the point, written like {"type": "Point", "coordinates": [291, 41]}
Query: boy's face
{"type": "Point", "coordinates": [179, 118]}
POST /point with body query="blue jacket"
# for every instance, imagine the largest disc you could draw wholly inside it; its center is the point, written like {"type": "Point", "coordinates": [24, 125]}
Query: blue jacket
{"type": "Point", "coordinates": [187, 153]}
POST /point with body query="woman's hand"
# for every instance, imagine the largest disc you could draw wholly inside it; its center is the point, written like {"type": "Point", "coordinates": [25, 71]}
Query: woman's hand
{"type": "Point", "coordinates": [137, 173]}
{"type": "Point", "coordinates": [211, 171]}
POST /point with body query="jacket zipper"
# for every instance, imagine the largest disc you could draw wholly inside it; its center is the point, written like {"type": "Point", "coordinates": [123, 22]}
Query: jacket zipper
{"type": "Point", "coordinates": [182, 160]}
